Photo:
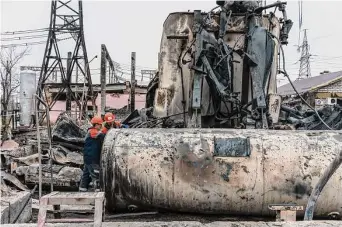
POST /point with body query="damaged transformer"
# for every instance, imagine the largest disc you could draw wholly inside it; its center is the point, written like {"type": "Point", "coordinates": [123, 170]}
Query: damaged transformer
{"type": "Point", "coordinates": [219, 69]}
{"type": "Point", "coordinates": [216, 86]}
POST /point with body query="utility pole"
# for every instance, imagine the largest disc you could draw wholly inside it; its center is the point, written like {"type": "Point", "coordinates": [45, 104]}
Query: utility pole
{"type": "Point", "coordinates": [103, 79]}
{"type": "Point", "coordinates": [69, 73]}
{"type": "Point", "coordinates": [304, 70]}
{"type": "Point", "coordinates": [132, 82]}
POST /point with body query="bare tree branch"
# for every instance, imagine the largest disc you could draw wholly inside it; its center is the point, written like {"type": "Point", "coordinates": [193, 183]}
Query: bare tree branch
{"type": "Point", "coordinates": [9, 60]}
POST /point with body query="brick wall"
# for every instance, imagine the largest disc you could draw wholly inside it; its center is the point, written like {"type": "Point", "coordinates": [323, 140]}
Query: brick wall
{"type": "Point", "coordinates": [335, 87]}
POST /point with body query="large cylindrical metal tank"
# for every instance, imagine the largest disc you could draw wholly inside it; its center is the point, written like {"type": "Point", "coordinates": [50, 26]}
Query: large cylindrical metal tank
{"type": "Point", "coordinates": [27, 92]}
{"type": "Point", "coordinates": [219, 170]}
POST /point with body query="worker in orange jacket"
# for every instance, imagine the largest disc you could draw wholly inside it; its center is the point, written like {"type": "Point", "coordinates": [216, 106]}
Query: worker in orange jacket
{"type": "Point", "coordinates": [110, 122]}
{"type": "Point", "coordinates": [92, 152]}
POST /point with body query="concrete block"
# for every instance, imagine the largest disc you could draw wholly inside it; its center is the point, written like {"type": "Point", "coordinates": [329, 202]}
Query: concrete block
{"type": "Point", "coordinates": [12, 204]}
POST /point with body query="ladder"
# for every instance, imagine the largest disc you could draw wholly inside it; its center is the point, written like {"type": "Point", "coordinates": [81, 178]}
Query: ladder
{"type": "Point", "coordinates": [72, 198]}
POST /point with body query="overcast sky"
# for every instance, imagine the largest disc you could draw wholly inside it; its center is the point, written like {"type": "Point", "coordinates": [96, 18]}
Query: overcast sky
{"type": "Point", "coordinates": [126, 26]}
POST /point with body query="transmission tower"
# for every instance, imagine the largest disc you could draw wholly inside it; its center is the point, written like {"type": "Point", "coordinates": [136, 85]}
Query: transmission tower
{"type": "Point", "coordinates": [68, 19]}
{"type": "Point", "coordinates": [304, 70]}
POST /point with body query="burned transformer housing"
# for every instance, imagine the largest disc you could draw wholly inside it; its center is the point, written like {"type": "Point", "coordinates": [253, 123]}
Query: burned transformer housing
{"type": "Point", "coordinates": [226, 66]}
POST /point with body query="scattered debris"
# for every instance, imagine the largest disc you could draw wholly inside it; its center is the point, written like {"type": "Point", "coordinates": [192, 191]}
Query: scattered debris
{"type": "Point", "coordinates": [20, 160]}
{"type": "Point", "coordinates": [9, 145]}
{"type": "Point", "coordinates": [294, 118]}
{"type": "Point", "coordinates": [10, 178]}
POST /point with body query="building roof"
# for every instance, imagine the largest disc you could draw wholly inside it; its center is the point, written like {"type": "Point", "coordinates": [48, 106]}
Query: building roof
{"type": "Point", "coordinates": [310, 84]}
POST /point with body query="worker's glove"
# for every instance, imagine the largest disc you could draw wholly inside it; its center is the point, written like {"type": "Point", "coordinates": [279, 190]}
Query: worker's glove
{"type": "Point", "coordinates": [124, 126]}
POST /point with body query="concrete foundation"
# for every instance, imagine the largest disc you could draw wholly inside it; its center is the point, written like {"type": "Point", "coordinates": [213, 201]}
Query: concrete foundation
{"type": "Point", "coordinates": [196, 224]}
{"type": "Point", "coordinates": [11, 206]}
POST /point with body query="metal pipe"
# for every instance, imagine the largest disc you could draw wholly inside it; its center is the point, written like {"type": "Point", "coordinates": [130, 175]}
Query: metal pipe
{"type": "Point", "coordinates": [310, 207]}
{"type": "Point", "coordinates": [68, 78]}
{"type": "Point", "coordinates": [103, 79]}
{"type": "Point", "coordinates": [50, 138]}
{"type": "Point", "coordinates": [39, 150]}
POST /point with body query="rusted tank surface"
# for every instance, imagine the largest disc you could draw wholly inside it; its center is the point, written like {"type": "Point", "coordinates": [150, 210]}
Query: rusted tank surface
{"type": "Point", "coordinates": [219, 170]}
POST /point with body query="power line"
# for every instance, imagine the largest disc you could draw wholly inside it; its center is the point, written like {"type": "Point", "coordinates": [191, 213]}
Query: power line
{"type": "Point", "coordinates": [23, 38]}
{"type": "Point", "coordinates": [27, 37]}
{"type": "Point", "coordinates": [328, 58]}
{"type": "Point", "coordinates": [26, 31]}
{"type": "Point", "coordinates": [30, 43]}
{"type": "Point", "coordinates": [127, 66]}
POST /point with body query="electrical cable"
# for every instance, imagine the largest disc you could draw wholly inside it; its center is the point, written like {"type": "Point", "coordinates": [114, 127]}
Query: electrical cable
{"type": "Point", "coordinates": [294, 88]}
{"type": "Point", "coordinates": [25, 37]}
{"type": "Point", "coordinates": [30, 43]}
{"type": "Point", "coordinates": [26, 31]}
{"type": "Point", "coordinates": [179, 63]}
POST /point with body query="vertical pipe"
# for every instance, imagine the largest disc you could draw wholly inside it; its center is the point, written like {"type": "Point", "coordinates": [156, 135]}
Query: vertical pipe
{"type": "Point", "coordinates": [132, 82]}
{"type": "Point", "coordinates": [49, 136]}
{"type": "Point", "coordinates": [103, 79]}
{"type": "Point", "coordinates": [69, 72]}
{"type": "Point", "coordinates": [76, 91]}
{"type": "Point", "coordinates": [39, 151]}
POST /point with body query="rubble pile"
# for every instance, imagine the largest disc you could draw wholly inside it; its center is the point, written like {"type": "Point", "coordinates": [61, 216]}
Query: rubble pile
{"type": "Point", "coordinates": [291, 118]}
{"type": "Point", "coordinates": [308, 120]}
{"type": "Point", "coordinates": [119, 113]}
{"type": "Point", "coordinates": [143, 118]}
{"type": "Point", "coordinates": [20, 163]}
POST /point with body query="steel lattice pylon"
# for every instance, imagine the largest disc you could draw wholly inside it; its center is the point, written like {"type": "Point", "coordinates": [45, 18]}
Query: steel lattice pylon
{"type": "Point", "coordinates": [304, 70]}
{"type": "Point", "coordinates": [66, 19]}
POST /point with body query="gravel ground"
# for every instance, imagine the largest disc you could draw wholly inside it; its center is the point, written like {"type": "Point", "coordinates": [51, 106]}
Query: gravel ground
{"type": "Point", "coordinates": [194, 224]}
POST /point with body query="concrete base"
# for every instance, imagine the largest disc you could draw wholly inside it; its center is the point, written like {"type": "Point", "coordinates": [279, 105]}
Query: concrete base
{"type": "Point", "coordinates": [11, 206]}
{"type": "Point", "coordinates": [196, 224]}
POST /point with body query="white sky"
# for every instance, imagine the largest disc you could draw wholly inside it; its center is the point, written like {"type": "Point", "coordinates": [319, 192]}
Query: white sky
{"type": "Point", "coordinates": [126, 26]}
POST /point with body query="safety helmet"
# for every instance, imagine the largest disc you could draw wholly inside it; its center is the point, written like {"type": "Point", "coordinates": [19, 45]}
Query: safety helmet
{"type": "Point", "coordinates": [109, 117]}
{"type": "Point", "coordinates": [96, 120]}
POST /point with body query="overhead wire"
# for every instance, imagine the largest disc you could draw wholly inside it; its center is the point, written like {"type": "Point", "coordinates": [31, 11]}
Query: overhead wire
{"type": "Point", "coordinates": [30, 43]}
{"type": "Point", "coordinates": [27, 37]}
{"type": "Point", "coordinates": [25, 31]}
{"type": "Point", "coordinates": [294, 88]}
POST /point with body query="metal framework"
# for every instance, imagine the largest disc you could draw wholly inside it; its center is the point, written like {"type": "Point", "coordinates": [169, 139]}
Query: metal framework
{"type": "Point", "coordinates": [66, 19]}
{"type": "Point", "coordinates": [150, 73]}
{"type": "Point", "coordinates": [105, 57]}
{"type": "Point", "coordinates": [304, 70]}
